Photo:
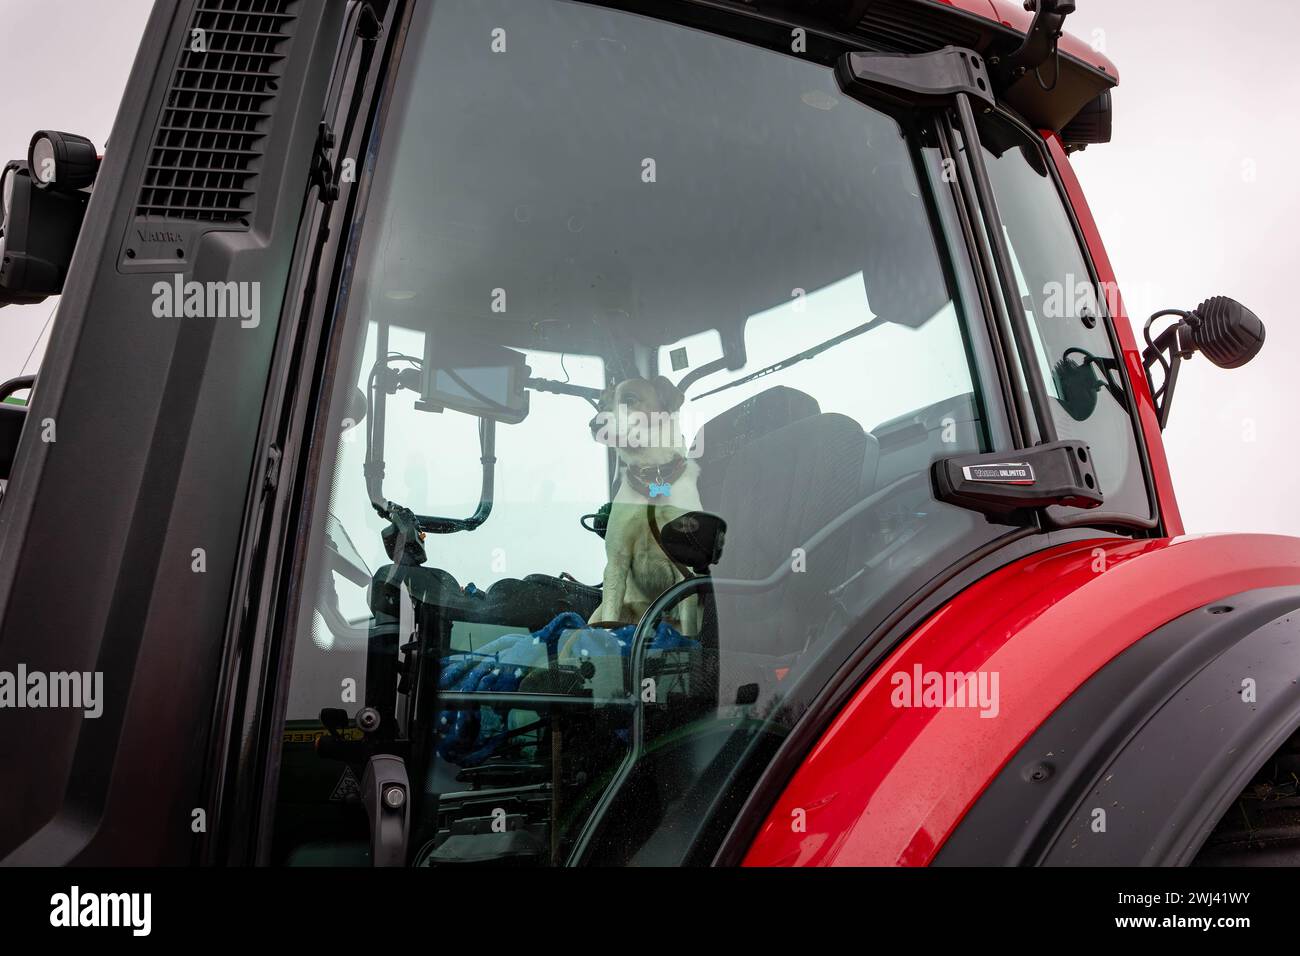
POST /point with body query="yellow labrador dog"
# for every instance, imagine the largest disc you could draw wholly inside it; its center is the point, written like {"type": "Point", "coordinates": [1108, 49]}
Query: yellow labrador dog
{"type": "Point", "coordinates": [639, 419]}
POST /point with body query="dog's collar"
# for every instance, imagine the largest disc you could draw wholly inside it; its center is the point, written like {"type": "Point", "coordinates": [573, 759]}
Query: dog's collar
{"type": "Point", "coordinates": [642, 477]}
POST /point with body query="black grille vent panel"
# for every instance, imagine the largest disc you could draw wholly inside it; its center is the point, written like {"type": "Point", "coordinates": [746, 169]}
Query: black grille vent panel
{"type": "Point", "coordinates": [208, 144]}
{"type": "Point", "coordinates": [909, 27]}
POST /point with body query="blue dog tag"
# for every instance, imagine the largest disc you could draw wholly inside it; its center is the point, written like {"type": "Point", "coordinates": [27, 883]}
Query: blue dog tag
{"type": "Point", "coordinates": [657, 491]}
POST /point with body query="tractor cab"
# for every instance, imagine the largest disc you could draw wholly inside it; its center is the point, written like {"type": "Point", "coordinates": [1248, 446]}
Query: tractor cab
{"type": "Point", "coordinates": [622, 374]}
{"type": "Point", "coordinates": [793, 249]}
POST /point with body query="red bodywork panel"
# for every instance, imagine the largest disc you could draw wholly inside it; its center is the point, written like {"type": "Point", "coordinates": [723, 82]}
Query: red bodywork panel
{"type": "Point", "coordinates": [981, 8]}
{"type": "Point", "coordinates": [887, 784]}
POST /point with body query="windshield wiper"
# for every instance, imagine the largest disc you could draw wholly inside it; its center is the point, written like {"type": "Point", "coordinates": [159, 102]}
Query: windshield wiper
{"type": "Point", "coordinates": [796, 358]}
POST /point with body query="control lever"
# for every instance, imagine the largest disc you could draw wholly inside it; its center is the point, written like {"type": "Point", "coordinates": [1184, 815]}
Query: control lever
{"type": "Point", "coordinates": [387, 797]}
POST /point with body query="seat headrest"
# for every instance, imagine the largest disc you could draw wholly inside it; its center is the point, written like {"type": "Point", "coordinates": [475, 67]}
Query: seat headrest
{"type": "Point", "coordinates": [721, 437]}
{"type": "Point", "coordinates": [784, 487]}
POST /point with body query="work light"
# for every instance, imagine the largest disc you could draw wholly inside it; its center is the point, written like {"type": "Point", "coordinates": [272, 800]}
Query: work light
{"type": "Point", "coordinates": [62, 160]}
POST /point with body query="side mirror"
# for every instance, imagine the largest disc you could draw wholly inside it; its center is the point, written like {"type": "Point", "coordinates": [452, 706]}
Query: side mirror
{"type": "Point", "coordinates": [694, 539]}
{"type": "Point", "coordinates": [1222, 329]}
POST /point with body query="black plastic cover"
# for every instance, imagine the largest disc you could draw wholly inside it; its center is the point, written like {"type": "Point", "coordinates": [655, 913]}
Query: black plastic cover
{"type": "Point", "coordinates": [1092, 124]}
{"type": "Point", "coordinates": [921, 79]}
{"type": "Point", "coordinates": [40, 234]}
{"type": "Point", "coordinates": [1229, 334]}
{"type": "Point", "coordinates": [1059, 473]}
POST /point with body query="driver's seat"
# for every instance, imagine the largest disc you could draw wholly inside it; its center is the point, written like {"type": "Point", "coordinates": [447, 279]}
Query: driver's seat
{"type": "Point", "coordinates": [778, 470]}
{"type": "Point", "coordinates": [778, 491]}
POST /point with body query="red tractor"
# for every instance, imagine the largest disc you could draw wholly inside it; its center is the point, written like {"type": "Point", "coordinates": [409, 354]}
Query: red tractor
{"type": "Point", "coordinates": [567, 433]}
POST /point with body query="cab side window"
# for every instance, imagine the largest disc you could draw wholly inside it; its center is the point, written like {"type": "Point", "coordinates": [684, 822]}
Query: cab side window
{"type": "Point", "coordinates": [1067, 315]}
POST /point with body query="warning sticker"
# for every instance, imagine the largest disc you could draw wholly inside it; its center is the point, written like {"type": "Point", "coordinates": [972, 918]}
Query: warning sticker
{"type": "Point", "coordinates": [348, 789]}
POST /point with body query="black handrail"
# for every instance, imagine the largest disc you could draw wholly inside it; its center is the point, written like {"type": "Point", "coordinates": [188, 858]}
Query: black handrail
{"type": "Point", "coordinates": [1015, 307]}
{"type": "Point", "coordinates": [16, 385]}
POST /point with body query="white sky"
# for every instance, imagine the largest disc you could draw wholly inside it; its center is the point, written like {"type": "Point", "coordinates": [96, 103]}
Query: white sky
{"type": "Point", "coordinates": [1195, 197]}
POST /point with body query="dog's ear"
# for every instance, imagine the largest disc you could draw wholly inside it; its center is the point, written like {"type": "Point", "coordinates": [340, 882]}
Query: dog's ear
{"type": "Point", "coordinates": [670, 396]}
{"type": "Point", "coordinates": [606, 400]}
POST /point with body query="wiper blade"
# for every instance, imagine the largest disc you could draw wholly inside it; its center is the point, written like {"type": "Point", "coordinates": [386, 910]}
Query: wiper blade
{"type": "Point", "coordinates": [796, 358]}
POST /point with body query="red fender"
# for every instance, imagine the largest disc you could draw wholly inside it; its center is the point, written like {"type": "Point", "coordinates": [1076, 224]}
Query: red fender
{"type": "Point", "coordinates": [886, 784]}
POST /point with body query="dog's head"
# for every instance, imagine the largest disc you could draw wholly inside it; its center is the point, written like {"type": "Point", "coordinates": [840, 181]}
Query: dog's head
{"type": "Point", "coordinates": [638, 416]}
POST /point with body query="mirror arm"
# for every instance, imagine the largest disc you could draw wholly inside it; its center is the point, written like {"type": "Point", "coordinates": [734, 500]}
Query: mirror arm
{"type": "Point", "coordinates": [487, 443]}
{"type": "Point", "coordinates": [1040, 41]}
{"type": "Point", "coordinates": [1169, 341]}
{"type": "Point", "coordinates": [1167, 390]}
{"type": "Point", "coordinates": [563, 388]}
{"type": "Point", "coordinates": [374, 467]}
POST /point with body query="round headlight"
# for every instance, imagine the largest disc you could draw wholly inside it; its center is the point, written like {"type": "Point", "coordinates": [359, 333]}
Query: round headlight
{"type": "Point", "coordinates": [64, 160]}
{"type": "Point", "coordinates": [42, 163]}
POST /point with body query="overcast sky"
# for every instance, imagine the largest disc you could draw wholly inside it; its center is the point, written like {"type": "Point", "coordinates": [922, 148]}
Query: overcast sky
{"type": "Point", "coordinates": [1195, 197]}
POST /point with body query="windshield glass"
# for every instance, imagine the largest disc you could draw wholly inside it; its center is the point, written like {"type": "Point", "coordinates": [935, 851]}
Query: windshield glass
{"type": "Point", "coordinates": [617, 277]}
